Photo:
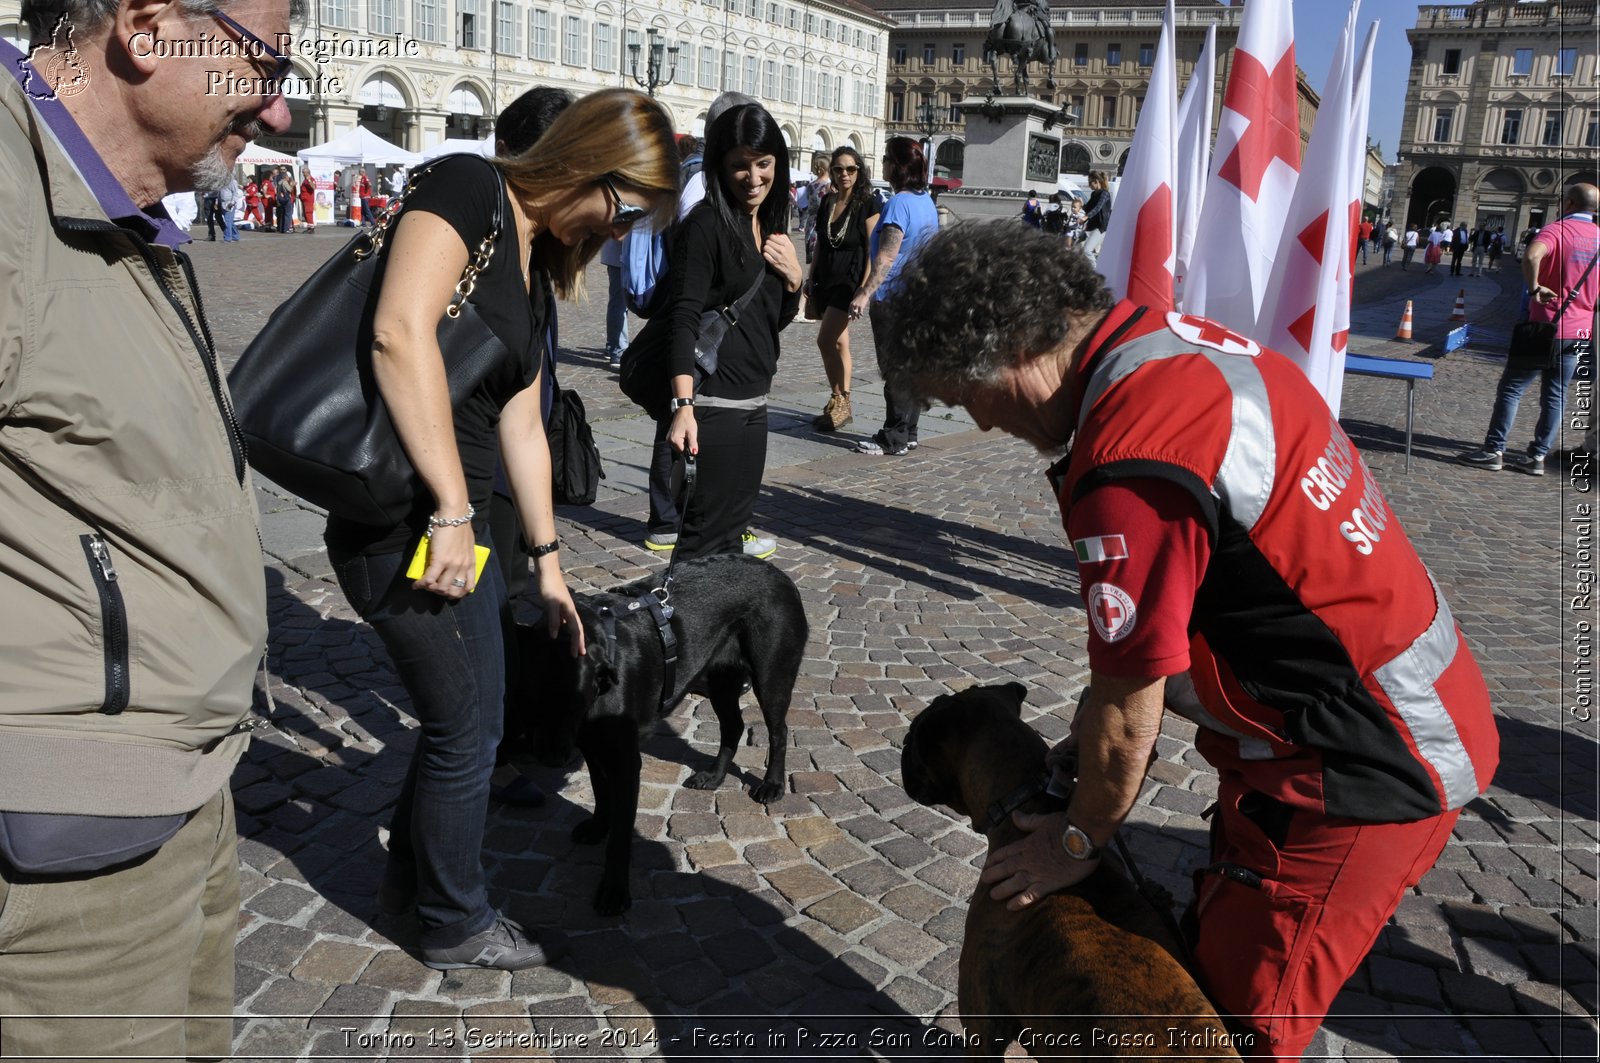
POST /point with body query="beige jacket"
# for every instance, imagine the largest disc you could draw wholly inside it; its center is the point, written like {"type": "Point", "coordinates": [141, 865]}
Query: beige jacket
{"type": "Point", "coordinates": [132, 598]}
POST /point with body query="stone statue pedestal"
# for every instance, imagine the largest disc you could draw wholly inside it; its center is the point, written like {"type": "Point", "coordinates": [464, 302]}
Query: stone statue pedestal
{"type": "Point", "coordinates": [1013, 145]}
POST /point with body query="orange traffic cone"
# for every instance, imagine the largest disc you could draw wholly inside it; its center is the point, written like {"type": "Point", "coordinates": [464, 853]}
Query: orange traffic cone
{"type": "Point", "coordinates": [355, 210]}
{"type": "Point", "coordinates": [1404, 332]}
{"type": "Point", "coordinates": [1460, 312]}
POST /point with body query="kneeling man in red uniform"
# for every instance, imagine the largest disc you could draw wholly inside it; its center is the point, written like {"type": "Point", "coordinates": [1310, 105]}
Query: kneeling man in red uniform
{"type": "Point", "coordinates": [1240, 567]}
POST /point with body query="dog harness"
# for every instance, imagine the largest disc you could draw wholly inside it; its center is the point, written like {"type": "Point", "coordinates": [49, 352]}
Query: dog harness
{"type": "Point", "coordinates": [657, 603]}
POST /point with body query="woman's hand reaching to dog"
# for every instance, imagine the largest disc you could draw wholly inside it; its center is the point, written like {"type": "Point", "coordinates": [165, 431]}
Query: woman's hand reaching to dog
{"type": "Point", "coordinates": [559, 608]}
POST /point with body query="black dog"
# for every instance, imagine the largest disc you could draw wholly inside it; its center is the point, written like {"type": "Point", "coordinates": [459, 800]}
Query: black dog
{"type": "Point", "coordinates": [736, 620]}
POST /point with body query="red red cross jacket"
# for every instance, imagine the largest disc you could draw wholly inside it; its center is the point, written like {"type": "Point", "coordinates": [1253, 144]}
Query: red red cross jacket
{"type": "Point", "coordinates": [1325, 665]}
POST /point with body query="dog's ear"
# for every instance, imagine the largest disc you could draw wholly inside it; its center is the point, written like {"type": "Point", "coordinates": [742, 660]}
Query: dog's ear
{"type": "Point", "coordinates": [1017, 691]}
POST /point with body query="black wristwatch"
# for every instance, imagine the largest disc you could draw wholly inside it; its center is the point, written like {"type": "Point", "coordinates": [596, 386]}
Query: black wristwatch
{"type": "Point", "coordinates": [677, 404]}
{"type": "Point", "coordinates": [1078, 845]}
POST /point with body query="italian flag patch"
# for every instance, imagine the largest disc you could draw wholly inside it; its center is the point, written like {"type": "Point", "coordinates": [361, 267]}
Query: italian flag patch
{"type": "Point", "coordinates": [1100, 548]}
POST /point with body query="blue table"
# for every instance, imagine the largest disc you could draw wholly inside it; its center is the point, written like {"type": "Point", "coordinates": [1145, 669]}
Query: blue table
{"type": "Point", "coordinates": [1394, 369]}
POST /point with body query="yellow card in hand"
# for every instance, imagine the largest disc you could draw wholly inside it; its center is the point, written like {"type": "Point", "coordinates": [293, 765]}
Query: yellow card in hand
{"type": "Point", "coordinates": [419, 561]}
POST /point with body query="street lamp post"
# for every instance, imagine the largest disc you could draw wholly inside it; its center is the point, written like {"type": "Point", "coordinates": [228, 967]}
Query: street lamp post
{"type": "Point", "coordinates": [661, 62]}
{"type": "Point", "coordinates": [928, 123]}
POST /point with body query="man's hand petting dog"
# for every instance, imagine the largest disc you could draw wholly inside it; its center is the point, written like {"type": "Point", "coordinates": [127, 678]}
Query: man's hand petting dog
{"type": "Point", "coordinates": [1036, 866]}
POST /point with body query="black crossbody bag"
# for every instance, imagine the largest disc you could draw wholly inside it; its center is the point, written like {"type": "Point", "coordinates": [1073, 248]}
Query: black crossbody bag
{"type": "Point", "coordinates": [1533, 343]}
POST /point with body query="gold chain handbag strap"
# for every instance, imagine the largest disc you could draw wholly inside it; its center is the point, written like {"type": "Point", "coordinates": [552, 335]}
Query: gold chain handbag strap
{"type": "Point", "coordinates": [476, 265]}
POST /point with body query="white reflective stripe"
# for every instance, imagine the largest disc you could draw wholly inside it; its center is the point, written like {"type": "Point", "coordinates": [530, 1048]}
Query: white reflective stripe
{"type": "Point", "coordinates": [1181, 698]}
{"type": "Point", "coordinates": [1124, 359]}
{"type": "Point", "coordinates": [1409, 680]}
{"type": "Point", "coordinates": [1249, 467]}
{"type": "Point", "coordinates": [1248, 471]}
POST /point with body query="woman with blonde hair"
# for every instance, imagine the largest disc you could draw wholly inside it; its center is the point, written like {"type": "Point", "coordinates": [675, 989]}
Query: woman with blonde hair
{"type": "Point", "coordinates": [604, 165]}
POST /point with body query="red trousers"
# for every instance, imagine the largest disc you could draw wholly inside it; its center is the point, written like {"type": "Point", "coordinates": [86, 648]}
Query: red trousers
{"type": "Point", "coordinates": [1295, 907]}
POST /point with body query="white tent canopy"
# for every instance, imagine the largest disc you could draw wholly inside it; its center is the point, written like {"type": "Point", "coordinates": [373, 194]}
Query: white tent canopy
{"type": "Point", "coordinates": [256, 155]}
{"type": "Point", "coordinates": [360, 146]}
{"type": "Point", "coordinates": [458, 146]}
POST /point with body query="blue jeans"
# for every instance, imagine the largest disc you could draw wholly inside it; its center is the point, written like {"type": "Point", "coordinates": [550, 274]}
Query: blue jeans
{"type": "Point", "coordinates": [450, 656]}
{"type": "Point", "coordinates": [616, 315]}
{"type": "Point", "coordinates": [230, 230]}
{"type": "Point", "coordinates": [1552, 397]}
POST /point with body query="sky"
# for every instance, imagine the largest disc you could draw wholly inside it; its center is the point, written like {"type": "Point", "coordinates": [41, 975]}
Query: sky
{"type": "Point", "coordinates": [1317, 26]}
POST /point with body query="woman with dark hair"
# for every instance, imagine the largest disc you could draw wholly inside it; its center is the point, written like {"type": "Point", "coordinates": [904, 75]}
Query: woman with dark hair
{"type": "Point", "coordinates": [606, 164]}
{"type": "Point", "coordinates": [907, 220]}
{"type": "Point", "coordinates": [736, 235]}
{"type": "Point", "coordinates": [845, 221]}
{"type": "Point", "coordinates": [1096, 213]}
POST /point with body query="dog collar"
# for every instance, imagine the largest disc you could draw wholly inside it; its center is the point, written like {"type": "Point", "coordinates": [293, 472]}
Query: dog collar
{"type": "Point", "coordinates": [1001, 810]}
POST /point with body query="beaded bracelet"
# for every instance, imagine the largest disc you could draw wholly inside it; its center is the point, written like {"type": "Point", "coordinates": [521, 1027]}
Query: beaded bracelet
{"type": "Point", "coordinates": [545, 548]}
{"type": "Point", "coordinates": [452, 522]}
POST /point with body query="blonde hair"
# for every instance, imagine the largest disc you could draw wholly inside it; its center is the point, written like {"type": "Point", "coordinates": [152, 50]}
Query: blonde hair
{"type": "Point", "coordinates": [616, 132]}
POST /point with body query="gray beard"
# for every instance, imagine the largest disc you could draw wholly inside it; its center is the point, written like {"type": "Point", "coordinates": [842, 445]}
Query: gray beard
{"type": "Point", "coordinates": [211, 173]}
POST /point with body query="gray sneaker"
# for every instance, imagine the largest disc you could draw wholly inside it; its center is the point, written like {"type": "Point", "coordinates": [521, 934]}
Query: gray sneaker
{"type": "Point", "coordinates": [505, 946]}
{"type": "Point", "coordinates": [1532, 464]}
{"type": "Point", "coordinates": [1482, 459]}
{"type": "Point", "coordinates": [758, 545]}
{"type": "Point", "coordinates": [661, 540]}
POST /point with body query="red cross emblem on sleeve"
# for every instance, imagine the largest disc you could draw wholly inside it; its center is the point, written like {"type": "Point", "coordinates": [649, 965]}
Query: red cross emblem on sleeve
{"type": "Point", "coordinates": [1111, 611]}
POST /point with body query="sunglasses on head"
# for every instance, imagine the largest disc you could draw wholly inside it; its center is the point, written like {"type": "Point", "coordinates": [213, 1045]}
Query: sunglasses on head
{"type": "Point", "coordinates": [846, 171]}
{"type": "Point", "coordinates": [281, 64]}
{"type": "Point", "coordinates": [624, 215]}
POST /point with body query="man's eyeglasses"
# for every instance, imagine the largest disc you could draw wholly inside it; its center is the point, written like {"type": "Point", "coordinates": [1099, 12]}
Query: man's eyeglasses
{"type": "Point", "coordinates": [847, 171]}
{"type": "Point", "coordinates": [625, 215]}
{"type": "Point", "coordinates": [281, 64]}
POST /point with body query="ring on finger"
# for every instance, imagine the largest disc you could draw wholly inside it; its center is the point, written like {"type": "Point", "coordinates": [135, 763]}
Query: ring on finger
{"type": "Point", "coordinates": [458, 583]}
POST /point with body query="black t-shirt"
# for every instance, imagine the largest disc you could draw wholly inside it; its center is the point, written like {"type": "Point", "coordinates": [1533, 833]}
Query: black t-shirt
{"type": "Point", "coordinates": [705, 275]}
{"type": "Point", "coordinates": [463, 190]}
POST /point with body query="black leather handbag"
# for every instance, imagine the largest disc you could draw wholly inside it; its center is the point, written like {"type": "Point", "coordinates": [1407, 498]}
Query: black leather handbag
{"type": "Point", "coordinates": [1534, 344]}
{"type": "Point", "coordinates": [304, 393]}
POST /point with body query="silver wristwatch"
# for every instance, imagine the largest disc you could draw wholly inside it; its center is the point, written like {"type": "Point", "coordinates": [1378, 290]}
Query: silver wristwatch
{"type": "Point", "coordinates": [677, 404]}
{"type": "Point", "coordinates": [1078, 845]}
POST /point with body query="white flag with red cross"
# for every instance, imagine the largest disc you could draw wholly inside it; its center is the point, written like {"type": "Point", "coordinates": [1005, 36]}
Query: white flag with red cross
{"type": "Point", "coordinates": [1138, 256]}
{"type": "Point", "coordinates": [1253, 171]}
{"type": "Point", "coordinates": [1306, 315]}
{"type": "Point", "coordinates": [1194, 156]}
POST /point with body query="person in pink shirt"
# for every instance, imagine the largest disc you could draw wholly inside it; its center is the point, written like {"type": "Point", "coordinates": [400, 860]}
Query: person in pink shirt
{"type": "Point", "coordinates": [1557, 265]}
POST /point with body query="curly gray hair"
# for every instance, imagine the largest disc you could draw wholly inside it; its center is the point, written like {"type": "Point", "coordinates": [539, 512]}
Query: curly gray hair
{"type": "Point", "coordinates": [978, 298]}
{"type": "Point", "coordinates": [42, 15]}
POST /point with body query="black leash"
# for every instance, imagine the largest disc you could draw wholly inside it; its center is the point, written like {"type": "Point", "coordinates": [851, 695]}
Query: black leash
{"type": "Point", "coordinates": [656, 602]}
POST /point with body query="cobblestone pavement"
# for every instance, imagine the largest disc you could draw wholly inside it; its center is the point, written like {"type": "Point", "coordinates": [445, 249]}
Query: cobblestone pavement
{"type": "Point", "coordinates": [837, 911]}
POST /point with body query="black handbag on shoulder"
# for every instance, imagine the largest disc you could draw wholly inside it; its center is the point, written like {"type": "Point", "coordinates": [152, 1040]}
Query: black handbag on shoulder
{"type": "Point", "coordinates": [304, 393]}
{"type": "Point", "coordinates": [575, 469]}
{"type": "Point", "coordinates": [1533, 343]}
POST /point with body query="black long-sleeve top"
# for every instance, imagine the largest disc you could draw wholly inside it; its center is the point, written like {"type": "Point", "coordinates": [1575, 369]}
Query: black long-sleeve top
{"type": "Point", "coordinates": [705, 274]}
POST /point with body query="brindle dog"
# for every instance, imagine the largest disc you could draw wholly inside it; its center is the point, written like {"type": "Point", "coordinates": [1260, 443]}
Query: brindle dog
{"type": "Point", "coordinates": [1091, 970]}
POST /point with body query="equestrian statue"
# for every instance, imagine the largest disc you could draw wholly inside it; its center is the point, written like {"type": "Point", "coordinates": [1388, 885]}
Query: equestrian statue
{"type": "Point", "coordinates": [1021, 29]}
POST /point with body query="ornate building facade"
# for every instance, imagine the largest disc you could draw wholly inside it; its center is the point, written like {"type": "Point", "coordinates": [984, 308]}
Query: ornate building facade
{"type": "Point", "coordinates": [1501, 112]}
{"type": "Point", "coordinates": [1106, 53]}
{"type": "Point", "coordinates": [418, 71]}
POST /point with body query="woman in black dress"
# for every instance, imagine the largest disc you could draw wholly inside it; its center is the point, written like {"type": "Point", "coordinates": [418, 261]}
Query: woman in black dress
{"type": "Point", "coordinates": [845, 222]}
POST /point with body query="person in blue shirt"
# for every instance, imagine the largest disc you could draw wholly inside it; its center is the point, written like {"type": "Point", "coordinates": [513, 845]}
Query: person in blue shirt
{"type": "Point", "coordinates": [907, 220]}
